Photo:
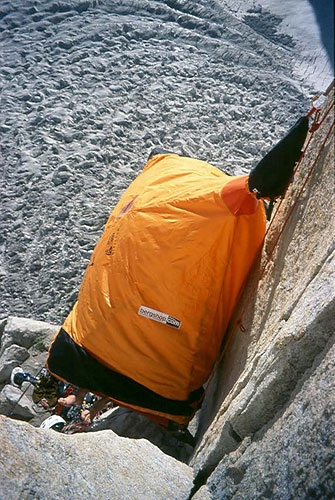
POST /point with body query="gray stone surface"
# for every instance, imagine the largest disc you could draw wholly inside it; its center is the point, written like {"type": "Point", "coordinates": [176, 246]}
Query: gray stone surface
{"type": "Point", "coordinates": [26, 332]}
{"type": "Point", "coordinates": [24, 343]}
{"type": "Point", "coordinates": [202, 494]}
{"type": "Point", "coordinates": [14, 403]}
{"type": "Point", "coordinates": [127, 423]}
{"type": "Point", "coordinates": [42, 464]}
{"type": "Point", "coordinates": [289, 320]}
{"type": "Point", "coordinates": [12, 356]}
{"type": "Point", "coordinates": [294, 456]}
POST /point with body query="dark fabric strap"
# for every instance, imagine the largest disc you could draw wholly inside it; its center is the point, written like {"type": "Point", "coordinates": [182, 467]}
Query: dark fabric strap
{"type": "Point", "coordinates": [74, 364]}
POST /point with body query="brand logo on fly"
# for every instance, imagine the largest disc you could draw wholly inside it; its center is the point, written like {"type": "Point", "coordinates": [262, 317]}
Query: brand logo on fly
{"type": "Point", "coordinates": [159, 316]}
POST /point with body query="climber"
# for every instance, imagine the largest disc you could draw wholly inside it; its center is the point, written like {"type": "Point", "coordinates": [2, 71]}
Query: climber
{"type": "Point", "coordinates": [164, 279]}
{"type": "Point", "coordinates": [57, 395]}
{"type": "Point", "coordinates": [76, 398]}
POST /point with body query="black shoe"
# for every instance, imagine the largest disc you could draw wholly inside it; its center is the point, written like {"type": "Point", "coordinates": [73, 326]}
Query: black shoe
{"type": "Point", "coordinates": [18, 376]}
{"type": "Point", "coordinates": [271, 177]}
{"type": "Point", "coordinates": [180, 432]}
{"type": "Point", "coordinates": [185, 437]}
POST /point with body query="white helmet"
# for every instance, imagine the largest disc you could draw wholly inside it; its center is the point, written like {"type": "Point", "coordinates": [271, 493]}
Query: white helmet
{"type": "Point", "coordinates": [54, 422]}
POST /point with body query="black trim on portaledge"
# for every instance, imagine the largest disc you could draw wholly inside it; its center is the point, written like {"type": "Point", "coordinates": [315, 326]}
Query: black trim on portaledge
{"type": "Point", "coordinates": [74, 364]}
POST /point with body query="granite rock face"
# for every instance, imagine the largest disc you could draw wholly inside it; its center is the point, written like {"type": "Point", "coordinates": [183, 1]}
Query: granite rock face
{"type": "Point", "coordinates": [271, 399]}
{"type": "Point", "coordinates": [13, 402]}
{"type": "Point", "coordinates": [293, 456]}
{"type": "Point", "coordinates": [25, 332]}
{"type": "Point", "coordinates": [43, 464]}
